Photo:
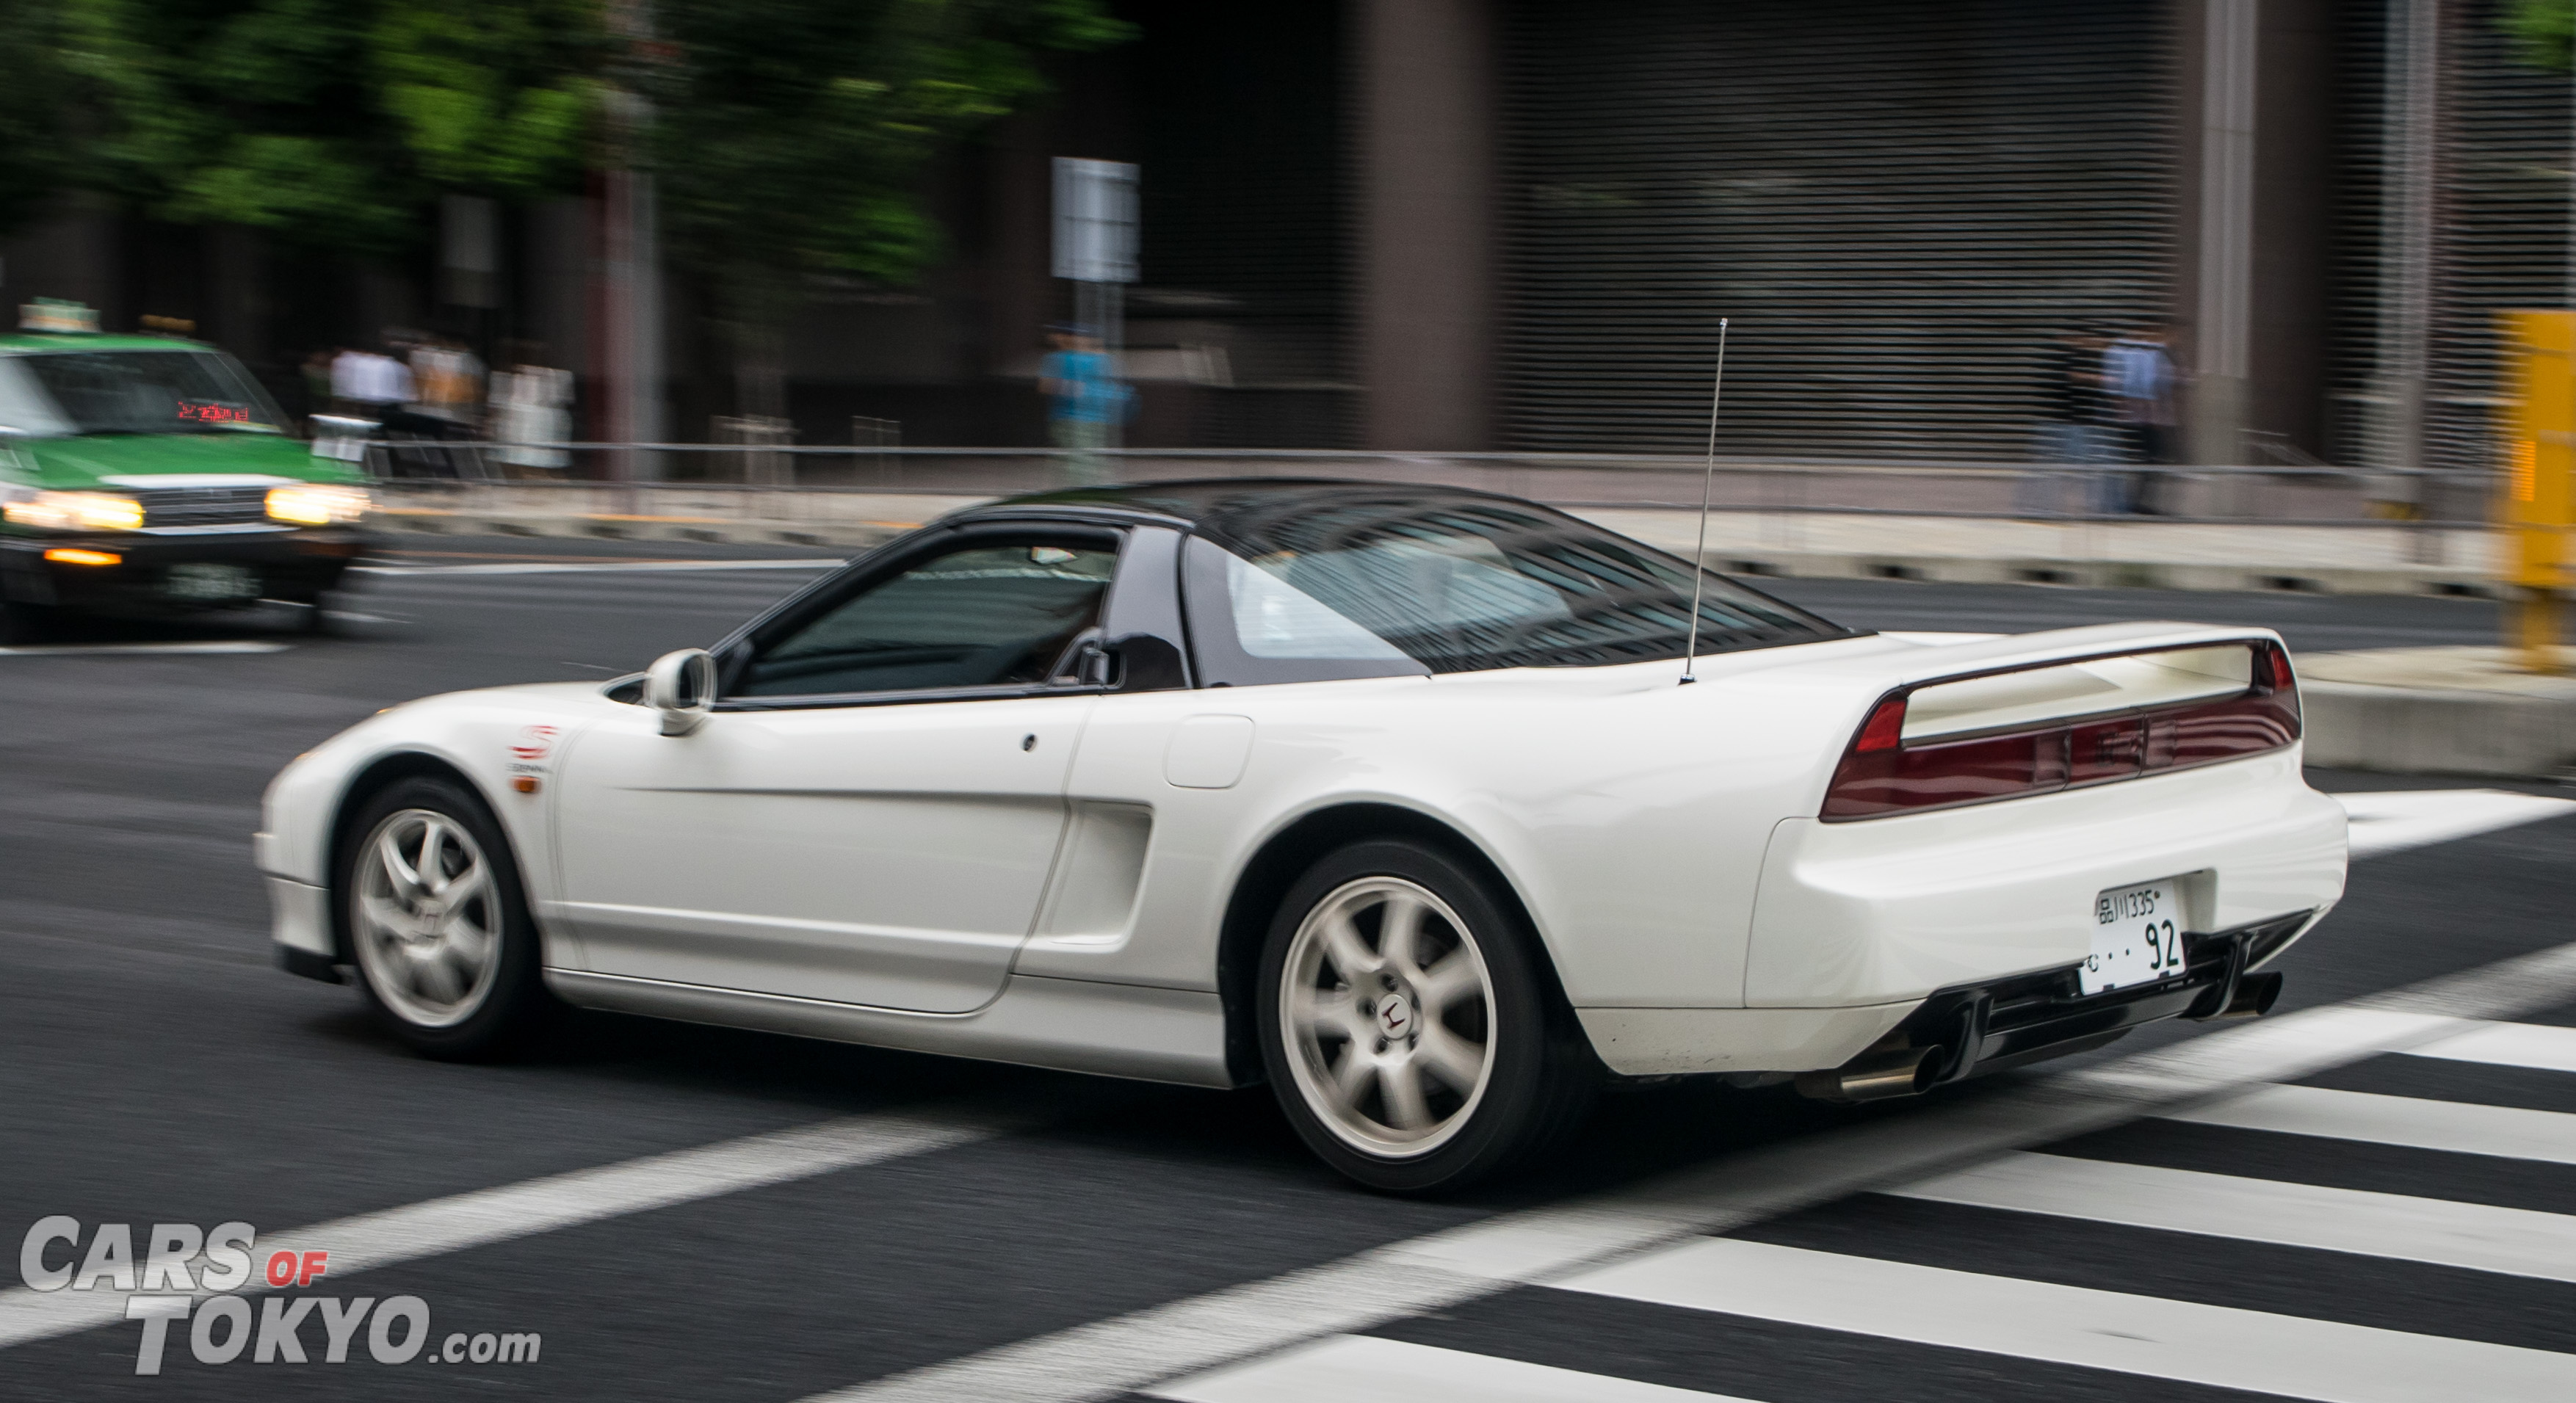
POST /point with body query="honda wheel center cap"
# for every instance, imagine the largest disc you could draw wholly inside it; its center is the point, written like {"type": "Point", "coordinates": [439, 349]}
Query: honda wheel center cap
{"type": "Point", "coordinates": [1396, 1016]}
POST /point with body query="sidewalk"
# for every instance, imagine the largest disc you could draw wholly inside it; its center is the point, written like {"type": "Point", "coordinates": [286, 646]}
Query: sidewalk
{"type": "Point", "coordinates": [2146, 554]}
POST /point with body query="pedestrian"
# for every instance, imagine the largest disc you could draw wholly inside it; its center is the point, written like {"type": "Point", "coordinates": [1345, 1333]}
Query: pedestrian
{"type": "Point", "coordinates": [317, 382]}
{"type": "Point", "coordinates": [2138, 376]}
{"type": "Point", "coordinates": [451, 381]}
{"type": "Point", "coordinates": [1084, 398]}
{"type": "Point", "coordinates": [2071, 434]}
{"type": "Point", "coordinates": [531, 407]}
{"type": "Point", "coordinates": [368, 385]}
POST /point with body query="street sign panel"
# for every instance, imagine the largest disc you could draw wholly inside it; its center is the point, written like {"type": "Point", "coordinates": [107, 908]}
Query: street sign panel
{"type": "Point", "coordinates": [1095, 220]}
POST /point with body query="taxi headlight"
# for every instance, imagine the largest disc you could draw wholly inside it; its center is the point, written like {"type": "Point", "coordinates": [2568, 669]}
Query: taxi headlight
{"type": "Point", "coordinates": [75, 511]}
{"type": "Point", "coordinates": [317, 504]}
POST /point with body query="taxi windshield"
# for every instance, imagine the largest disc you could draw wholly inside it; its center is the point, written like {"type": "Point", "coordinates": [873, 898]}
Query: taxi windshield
{"type": "Point", "coordinates": [153, 392]}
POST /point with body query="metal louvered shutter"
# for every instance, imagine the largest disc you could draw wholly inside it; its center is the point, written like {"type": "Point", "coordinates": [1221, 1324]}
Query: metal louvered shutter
{"type": "Point", "coordinates": [1898, 204]}
{"type": "Point", "coordinates": [2502, 222]}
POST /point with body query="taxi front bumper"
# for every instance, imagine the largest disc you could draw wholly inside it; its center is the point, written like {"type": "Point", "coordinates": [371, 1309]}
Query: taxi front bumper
{"type": "Point", "coordinates": [297, 564]}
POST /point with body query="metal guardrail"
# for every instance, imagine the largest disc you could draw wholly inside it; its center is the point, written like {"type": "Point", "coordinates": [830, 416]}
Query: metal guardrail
{"type": "Point", "coordinates": [2284, 494]}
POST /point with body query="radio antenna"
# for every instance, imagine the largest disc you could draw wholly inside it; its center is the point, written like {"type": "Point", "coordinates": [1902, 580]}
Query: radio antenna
{"type": "Point", "coordinates": [1707, 477]}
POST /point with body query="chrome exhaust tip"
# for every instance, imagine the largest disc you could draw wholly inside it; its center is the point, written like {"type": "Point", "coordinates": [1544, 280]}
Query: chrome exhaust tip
{"type": "Point", "coordinates": [1908, 1071]}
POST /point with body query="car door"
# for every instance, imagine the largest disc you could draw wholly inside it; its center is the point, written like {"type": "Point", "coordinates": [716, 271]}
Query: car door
{"type": "Point", "coordinates": [870, 812]}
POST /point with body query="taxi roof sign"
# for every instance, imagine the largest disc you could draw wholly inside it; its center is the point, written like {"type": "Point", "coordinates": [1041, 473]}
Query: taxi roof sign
{"type": "Point", "coordinates": [56, 315]}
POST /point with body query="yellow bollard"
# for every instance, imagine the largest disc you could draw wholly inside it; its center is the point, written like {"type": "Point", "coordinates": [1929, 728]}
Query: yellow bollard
{"type": "Point", "coordinates": [2537, 506]}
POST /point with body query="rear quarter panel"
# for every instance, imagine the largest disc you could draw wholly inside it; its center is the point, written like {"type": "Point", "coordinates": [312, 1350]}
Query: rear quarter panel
{"type": "Point", "coordinates": [1629, 813]}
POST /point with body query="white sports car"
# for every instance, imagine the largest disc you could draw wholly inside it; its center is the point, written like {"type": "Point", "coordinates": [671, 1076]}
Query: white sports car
{"type": "Point", "coordinates": [1392, 796]}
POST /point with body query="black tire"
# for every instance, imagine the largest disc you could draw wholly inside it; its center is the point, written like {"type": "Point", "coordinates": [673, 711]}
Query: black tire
{"type": "Point", "coordinates": [1539, 1074]}
{"type": "Point", "coordinates": [22, 624]}
{"type": "Point", "coordinates": [493, 1016]}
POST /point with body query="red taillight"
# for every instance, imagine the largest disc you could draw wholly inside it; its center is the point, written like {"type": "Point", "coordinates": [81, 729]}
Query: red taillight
{"type": "Point", "coordinates": [1885, 728]}
{"type": "Point", "coordinates": [1882, 773]}
{"type": "Point", "coordinates": [2276, 662]}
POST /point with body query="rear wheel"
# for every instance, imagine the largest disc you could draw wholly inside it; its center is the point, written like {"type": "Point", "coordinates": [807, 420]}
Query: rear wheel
{"type": "Point", "coordinates": [1409, 1028]}
{"type": "Point", "coordinates": [447, 955]}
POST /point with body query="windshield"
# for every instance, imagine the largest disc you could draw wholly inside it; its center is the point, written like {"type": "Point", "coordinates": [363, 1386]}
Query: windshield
{"type": "Point", "coordinates": [1461, 584]}
{"type": "Point", "coordinates": [153, 392]}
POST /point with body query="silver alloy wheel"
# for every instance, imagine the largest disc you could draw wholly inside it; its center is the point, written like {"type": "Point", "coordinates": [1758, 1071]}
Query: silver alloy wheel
{"type": "Point", "coordinates": [425, 918]}
{"type": "Point", "coordinates": [1388, 1013]}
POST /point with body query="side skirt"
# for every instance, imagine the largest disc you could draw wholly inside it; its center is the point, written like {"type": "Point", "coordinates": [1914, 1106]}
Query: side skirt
{"type": "Point", "coordinates": [1070, 1025]}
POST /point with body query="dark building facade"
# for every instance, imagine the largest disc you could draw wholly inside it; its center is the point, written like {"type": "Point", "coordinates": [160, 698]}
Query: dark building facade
{"type": "Point", "coordinates": [1513, 226]}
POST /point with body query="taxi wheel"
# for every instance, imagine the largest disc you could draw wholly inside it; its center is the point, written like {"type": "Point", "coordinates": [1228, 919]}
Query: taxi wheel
{"type": "Point", "coordinates": [1410, 1026]}
{"type": "Point", "coordinates": [447, 955]}
{"type": "Point", "coordinates": [24, 623]}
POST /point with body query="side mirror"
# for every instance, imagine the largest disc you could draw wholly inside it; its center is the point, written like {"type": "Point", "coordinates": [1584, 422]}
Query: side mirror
{"type": "Point", "coordinates": [681, 686]}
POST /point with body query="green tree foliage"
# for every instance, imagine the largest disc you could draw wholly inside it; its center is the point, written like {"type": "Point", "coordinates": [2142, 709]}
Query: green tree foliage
{"type": "Point", "coordinates": [789, 136]}
{"type": "Point", "coordinates": [34, 161]}
{"type": "Point", "coordinates": [2546, 30]}
{"type": "Point", "coordinates": [330, 122]}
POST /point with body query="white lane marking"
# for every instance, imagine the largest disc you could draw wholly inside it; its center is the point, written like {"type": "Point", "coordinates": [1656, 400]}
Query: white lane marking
{"type": "Point", "coordinates": [2515, 1241]}
{"type": "Point", "coordinates": [79, 650]}
{"type": "Point", "coordinates": [1361, 1369]}
{"type": "Point", "coordinates": [2219, 1346]}
{"type": "Point", "coordinates": [596, 567]}
{"type": "Point", "coordinates": [2412, 818]}
{"type": "Point", "coordinates": [2453, 1127]}
{"type": "Point", "coordinates": [1540, 1244]}
{"type": "Point", "coordinates": [372, 1240]}
{"type": "Point", "coordinates": [2509, 1045]}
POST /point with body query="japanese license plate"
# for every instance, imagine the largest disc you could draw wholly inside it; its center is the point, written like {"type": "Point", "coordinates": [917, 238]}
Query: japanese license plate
{"type": "Point", "coordinates": [2137, 938]}
{"type": "Point", "coordinates": [201, 580]}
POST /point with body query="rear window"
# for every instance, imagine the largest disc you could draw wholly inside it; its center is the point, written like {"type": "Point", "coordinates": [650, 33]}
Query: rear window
{"type": "Point", "coordinates": [152, 392]}
{"type": "Point", "coordinates": [1370, 584]}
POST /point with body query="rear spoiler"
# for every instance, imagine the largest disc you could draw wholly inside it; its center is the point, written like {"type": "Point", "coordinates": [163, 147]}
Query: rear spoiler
{"type": "Point", "coordinates": [2004, 718]}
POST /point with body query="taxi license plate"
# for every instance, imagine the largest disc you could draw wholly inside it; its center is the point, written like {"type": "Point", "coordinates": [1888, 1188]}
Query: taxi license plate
{"type": "Point", "coordinates": [2137, 939]}
{"type": "Point", "coordinates": [199, 580]}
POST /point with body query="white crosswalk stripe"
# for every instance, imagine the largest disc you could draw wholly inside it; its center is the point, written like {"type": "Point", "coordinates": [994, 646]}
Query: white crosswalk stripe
{"type": "Point", "coordinates": [2292, 1356]}
{"type": "Point", "coordinates": [2283, 1354]}
{"type": "Point", "coordinates": [2454, 1127]}
{"type": "Point", "coordinates": [1360, 1369]}
{"type": "Point", "coordinates": [2509, 1045]}
{"type": "Point", "coordinates": [2478, 1236]}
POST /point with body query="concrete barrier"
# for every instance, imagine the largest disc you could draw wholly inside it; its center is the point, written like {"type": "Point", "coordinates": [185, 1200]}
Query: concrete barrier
{"type": "Point", "coordinates": [2457, 711]}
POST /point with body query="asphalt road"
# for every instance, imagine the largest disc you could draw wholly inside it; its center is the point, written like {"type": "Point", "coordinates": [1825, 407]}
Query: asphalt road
{"type": "Point", "coordinates": [155, 1068]}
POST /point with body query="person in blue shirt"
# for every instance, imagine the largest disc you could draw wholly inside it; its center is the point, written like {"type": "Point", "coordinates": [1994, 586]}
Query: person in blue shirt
{"type": "Point", "coordinates": [1084, 397]}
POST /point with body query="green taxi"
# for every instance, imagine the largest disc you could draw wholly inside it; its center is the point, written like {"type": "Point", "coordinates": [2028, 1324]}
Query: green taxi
{"type": "Point", "coordinates": [145, 474]}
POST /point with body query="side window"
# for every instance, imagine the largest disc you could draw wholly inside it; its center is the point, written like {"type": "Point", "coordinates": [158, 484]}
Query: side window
{"type": "Point", "coordinates": [1250, 625]}
{"type": "Point", "coordinates": [988, 613]}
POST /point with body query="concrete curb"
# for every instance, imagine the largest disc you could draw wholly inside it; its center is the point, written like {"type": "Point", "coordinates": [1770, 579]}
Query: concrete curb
{"type": "Point", "coordinates": [855, 535]}
{"type": "Point", "coordinates": [2456, 581]}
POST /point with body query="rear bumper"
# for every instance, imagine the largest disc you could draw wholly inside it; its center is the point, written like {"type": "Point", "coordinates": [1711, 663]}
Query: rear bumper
{"type": "Point", "coordinates": [293, 563]}
{"type": "Point", "coordinates": [2010, 1023]}
{"type": "Point", "coordinates": [1978, 1028]}
{"type": "Point", "coordinates": [1896, 909]}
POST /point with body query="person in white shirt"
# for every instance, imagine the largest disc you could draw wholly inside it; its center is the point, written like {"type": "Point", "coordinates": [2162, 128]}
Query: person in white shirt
{"type": "Point", "coordinates": [532, 407]}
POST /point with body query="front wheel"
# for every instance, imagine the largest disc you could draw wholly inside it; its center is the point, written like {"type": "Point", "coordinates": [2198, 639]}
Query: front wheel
{"type": "Point", "coordinates": [1409, 1028]}
{"type": "Point", "coordinates": [447, 954]}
